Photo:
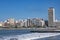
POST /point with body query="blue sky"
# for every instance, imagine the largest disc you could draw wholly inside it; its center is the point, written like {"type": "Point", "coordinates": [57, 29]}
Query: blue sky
{"type": "Point", "coordinates": [22, 9]}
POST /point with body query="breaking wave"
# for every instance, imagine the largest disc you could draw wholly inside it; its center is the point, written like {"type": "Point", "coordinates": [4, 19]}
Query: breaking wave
{"type": "Point", "coordinates": [29, 36]}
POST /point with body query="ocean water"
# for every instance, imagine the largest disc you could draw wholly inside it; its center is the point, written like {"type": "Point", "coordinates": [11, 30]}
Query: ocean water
{"type": "Point", "coordinates": [25, 34]}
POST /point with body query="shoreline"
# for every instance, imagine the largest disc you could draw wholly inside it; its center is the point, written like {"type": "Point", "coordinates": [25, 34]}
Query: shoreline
{"type": "Point", "coordinates": [37, 29]}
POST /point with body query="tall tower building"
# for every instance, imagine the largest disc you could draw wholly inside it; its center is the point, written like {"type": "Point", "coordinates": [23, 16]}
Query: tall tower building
{"type": "Point", "coordinates": [51, 16]}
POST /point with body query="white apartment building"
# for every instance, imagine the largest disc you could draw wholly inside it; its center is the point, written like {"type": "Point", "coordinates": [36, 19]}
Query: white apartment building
{"type": "Point", "coordinates": [27, 23]}
{"type": "Point", "coordinates": [38, 22]}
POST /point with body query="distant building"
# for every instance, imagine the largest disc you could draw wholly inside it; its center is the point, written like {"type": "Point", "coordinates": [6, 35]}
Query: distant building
{"type": "Point", "coordinates": [20, 23]}
{"type": "Point", "coordinates": [57, 24]}
{"type": "Point", "coordinates": [38, 22]}
{"type": "Point", "coordinates": [51, 17]}
{"type": "Point", "coordinates": [11, 22]}
{"type": "Point", "coordinates": [46, 23]}
{"type": "Point", "coordinates": [29, 22]}
{"type": "Point", "coordinates": [26, 23]}
{"type": "Point", "coordinates": [17, 24]}
{"type": "Point", "coordinates": [52, 22]}
{"type": "Point", "coordinates": [1, 24]}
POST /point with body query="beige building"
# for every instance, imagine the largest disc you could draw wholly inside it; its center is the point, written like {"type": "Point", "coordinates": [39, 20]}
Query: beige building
{"type": "Point", "coordinates": [11, 20]}
{"type": "Point", "coordinates": [52, 22]}
{"type": "Point", "coordinates": [51, 17]}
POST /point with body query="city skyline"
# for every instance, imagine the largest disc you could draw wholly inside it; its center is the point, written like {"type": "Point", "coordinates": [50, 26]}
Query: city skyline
{"type": "Point", "coordinates": [23, 9]}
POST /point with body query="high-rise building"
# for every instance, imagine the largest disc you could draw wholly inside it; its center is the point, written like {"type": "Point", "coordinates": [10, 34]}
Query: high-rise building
{"type": "Point", "coordinates": [51, 16]}
{"type": "Point", "coordinates": [29, 22]}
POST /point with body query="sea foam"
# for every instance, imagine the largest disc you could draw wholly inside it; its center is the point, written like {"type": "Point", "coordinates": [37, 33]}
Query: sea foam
{"type": "Point", "coordinates": [30, 36]}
